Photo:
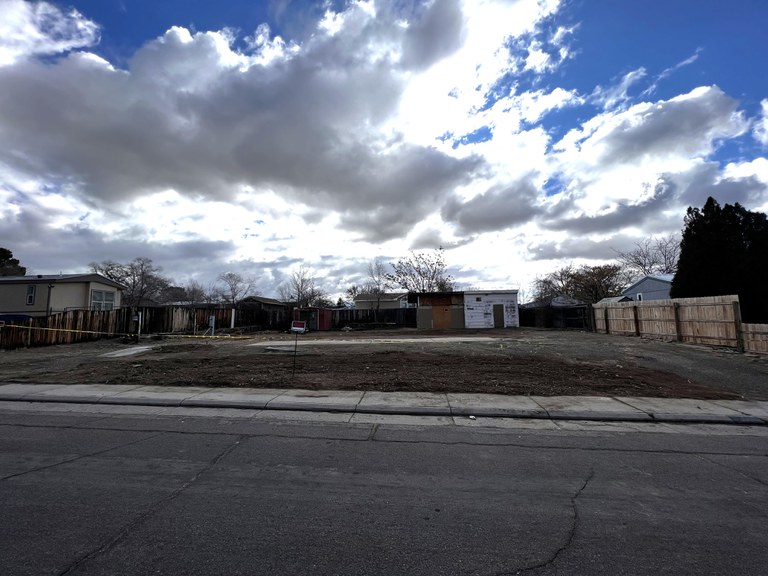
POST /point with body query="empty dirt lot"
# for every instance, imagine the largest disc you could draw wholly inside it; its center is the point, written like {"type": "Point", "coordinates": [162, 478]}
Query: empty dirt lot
{"type": "Point", "coordinates": [517, 361]}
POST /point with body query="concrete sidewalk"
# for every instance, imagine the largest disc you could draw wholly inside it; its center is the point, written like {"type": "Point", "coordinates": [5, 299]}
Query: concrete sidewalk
{"type": "Point", "coordinates": [592, 408]}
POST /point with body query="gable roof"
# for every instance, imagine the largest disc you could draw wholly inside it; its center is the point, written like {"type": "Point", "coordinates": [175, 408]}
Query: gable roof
{"type": "Point", "coordinates": [658, 277]}
{"type": "Point", "coordinates": [612, 299]}
{"type": "Point", "coordinates": [61, 279]}
{"type": "Point", "coordinates": [264, 300]}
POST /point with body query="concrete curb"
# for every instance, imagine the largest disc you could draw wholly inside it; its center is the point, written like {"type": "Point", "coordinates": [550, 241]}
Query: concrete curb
{"type": "Point", "coordinates": [354, 403]}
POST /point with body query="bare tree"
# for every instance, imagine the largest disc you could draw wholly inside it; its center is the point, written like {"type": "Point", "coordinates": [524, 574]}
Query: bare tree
{"type": "Point", "coordinates": [652, 256]}
{"type": "Point", "coordinates": [593, 283]}
{"type": "Point", "coordinates": [302, 290]}
{"type": "Point", "coordinates": [354, 291]}
{"type": "Point", "coordinates": [285, 293]}
{"type": "Point", "coordinates": [172, 295]}
{"type": "Point", "coordinates": [588, 283]}
{"type": "Point", "coordinates": [557, 283]}
{"type": "Point", "coordinates": [422, 272]}
{"type": "Point", "coordinates": [234, 287]}
{"type": "Point", "coordinates": [212, 295]}
{"type": "Point", "coordinates": [194, 293]}
{"type": "Point", "coordinates": [140, 276]}
{"type": "Point", "coordinates": [377, 283]}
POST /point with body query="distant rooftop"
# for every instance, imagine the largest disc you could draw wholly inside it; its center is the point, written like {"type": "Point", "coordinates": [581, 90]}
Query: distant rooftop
{"type": "Point", "coordinates": [64, 278]}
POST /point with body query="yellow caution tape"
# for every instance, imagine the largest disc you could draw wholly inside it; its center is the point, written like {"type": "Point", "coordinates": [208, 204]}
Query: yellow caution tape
{"type": "Point", "coordinates": [63, 330]}
{"type": "Point", "coordinates": [127, 335]}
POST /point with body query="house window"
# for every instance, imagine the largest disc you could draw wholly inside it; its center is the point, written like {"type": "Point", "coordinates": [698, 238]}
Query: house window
{"type": "Point", "coordinates": [478, 299]}
{"type": "Point", "coordinates": [31, 294]}
{"type": "Point", "coordinates": [639, 297]}
{"type": "Point", "coordinates": [101, 300]}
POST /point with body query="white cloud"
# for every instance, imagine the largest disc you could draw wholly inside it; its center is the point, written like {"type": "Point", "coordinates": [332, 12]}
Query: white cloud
{"type": "Point", "coordinates": [39, 28]}
{"type": "Point", "coordinates": [760, 130]}
{"type": "Point", "coordinates": [326, 152]}
{"type": "Point", "coordinates": [653, 136]}
{"type": "Point", "coordinates": [611, 97]}
{"type": "Point", "coordinates": [666, 73]}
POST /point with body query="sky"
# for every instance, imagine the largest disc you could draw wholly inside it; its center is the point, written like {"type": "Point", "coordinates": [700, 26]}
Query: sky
{"type": "Point", "coordinates": [261, 136]}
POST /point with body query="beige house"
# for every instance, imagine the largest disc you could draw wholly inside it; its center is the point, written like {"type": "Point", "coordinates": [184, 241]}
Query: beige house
{"type": "Point", "coordinates": [42, 295]}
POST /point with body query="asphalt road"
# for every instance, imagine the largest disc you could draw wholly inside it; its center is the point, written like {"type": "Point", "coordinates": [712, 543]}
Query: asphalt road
{"type": "Point", "coordinates": [93, 494]}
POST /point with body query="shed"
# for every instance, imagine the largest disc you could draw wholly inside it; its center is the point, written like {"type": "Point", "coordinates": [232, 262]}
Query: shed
{"type": "Point", "coordinates": [558, 312]}
{"type": "Point", "coordinates": [472, 309]}
{"type": "Point", "coordinates": [317, 319]}
{"type": "Point", "coordinates": [266, 311]}
{"type": "Point", "coordinates": [491, 309]}
{"type": "Point", "coordinates": [654, 287]}
{"type": "Point", "coordinates": [440, 310]}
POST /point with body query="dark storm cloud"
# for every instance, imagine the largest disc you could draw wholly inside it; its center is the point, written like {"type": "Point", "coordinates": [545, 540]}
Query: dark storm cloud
{"type": "Point", "coordinates": [705, 180]}
{"type": "Point", "coordinates": [623, 215]}
{"type": "Point", "coordinates": [189, 115]}
{"type": "Point", "coordinates": [45, 249]}
{"type": "Point", "coordinates": [437, 33]}
{"type": "Point", "coordinates": [495, 209]}
{"type": "Point", "coordinates": [578, 247]}
{"type": "Point", "coordinates": [686, 126]}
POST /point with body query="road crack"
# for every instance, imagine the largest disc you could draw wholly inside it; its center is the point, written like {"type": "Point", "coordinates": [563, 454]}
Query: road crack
{"type": "Point", "coordinates": [732, 469]}
{"type": "Point", "coordinates": [80, 457]}
{"type": "Point", "coordinates": [153, 509]}
{"type": "Point", "coordinates": [569, 540]}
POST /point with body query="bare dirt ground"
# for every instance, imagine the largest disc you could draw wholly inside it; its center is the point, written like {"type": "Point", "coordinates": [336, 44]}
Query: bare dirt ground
{"type": "Point", "coordinates": [518, 361]}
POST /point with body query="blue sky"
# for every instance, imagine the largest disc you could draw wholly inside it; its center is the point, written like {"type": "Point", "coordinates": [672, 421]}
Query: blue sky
{"type": "Point", "coordinates": [257, 137]}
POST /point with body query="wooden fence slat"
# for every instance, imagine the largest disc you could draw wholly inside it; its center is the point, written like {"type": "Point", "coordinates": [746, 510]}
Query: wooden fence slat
{"type": "Point", "coordinates": [714, 320]}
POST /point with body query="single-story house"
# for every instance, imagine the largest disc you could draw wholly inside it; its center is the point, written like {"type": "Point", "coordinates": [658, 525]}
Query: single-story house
{"type": "Point", "coordinates": [653, 287]}
{"type": "Point", "coordinates": [46, 294]}
{"type": "Point", "coordinates": [385, 301]}
{"type": "Point", "coordinates": [470, 309]}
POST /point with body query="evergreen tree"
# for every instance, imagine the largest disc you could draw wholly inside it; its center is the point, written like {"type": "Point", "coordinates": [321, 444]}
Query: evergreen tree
{"type": "Point", "coordinates": [10, 266]}
{"type": "Point", "coordinates": [724, 251]}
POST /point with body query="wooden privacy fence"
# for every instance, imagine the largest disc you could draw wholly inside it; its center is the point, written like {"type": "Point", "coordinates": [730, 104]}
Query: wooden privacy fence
{"type": "Point", "coordinates": [65, 328]}
{"type": "Point", "coordinates": [84, 325]}
{"type": "Point", "coordinates": [175, 319]}
{"type": "Point", "coordinates": [714, 320]}
{"type": "Point", "coordinates": [755, 338]}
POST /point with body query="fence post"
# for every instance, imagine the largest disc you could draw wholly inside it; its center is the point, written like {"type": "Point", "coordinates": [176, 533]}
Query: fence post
{"type": "Point", "coordinates": [739, 327]}
{"type": "Point", "coordinates": [678, 333]}
{"type": "Point", "coordinates": [637, 321]}
{"type": "Point", "coordinates": [605, 320]}
{"type": "Point", "coordinates": [29, 333]}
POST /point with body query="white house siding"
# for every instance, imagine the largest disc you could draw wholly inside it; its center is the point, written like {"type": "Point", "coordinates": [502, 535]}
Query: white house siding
{"type": "Point", "coordinates": [478, 309]}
